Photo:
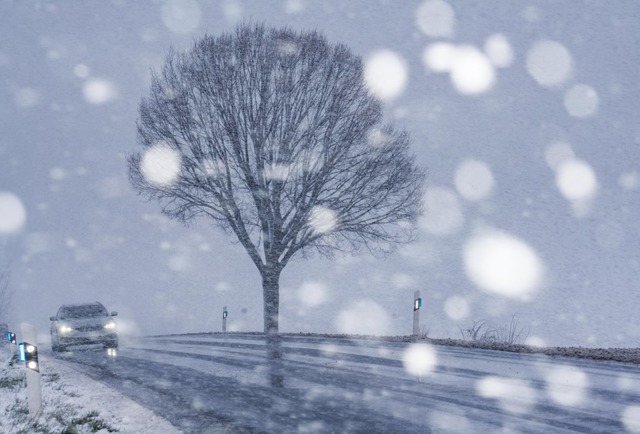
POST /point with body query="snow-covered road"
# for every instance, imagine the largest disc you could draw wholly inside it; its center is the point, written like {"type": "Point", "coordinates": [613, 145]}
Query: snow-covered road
{"type": "Point", "coordinates": [208, 383]}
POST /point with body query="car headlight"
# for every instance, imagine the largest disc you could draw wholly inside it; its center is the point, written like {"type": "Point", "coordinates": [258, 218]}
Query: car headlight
{"type": "Point", "coordinates": [64, 329]}
{"type": "Point", "coordinates": [110, 326]}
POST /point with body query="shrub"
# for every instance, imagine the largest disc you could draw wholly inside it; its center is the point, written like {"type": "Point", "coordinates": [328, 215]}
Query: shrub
{"type": "Point", "coordinates": [486, 331]}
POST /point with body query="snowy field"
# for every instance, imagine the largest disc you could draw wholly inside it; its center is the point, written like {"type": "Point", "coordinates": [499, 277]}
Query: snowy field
{"type": "Point", "coordinates": [208, 383]}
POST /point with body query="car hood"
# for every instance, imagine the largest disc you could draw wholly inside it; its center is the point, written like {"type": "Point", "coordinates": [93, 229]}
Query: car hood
{"type": "Point", "coordinates": [79, 322]}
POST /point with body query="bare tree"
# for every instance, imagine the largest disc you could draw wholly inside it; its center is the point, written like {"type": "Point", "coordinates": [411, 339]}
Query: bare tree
{"type": "Point", "coordinates": [279, 143]}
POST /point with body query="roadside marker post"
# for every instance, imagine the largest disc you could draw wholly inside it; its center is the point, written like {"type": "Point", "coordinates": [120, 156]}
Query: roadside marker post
{"type": "Point", "coordinates": [417, 304]}
{"type": "Point", "coordinates": [28, 352]}
{"type": "Point", "coordinates": [225, 314]}
{"type": "Point", "coordinates": [11, 338]}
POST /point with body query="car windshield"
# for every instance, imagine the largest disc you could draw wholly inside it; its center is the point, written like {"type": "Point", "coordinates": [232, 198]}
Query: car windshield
{"type": "Point", "coordinates": [84, 311]}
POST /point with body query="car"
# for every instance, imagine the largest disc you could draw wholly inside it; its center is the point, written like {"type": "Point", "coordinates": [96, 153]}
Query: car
{"type": "Point", "coordinates": [83, 324]}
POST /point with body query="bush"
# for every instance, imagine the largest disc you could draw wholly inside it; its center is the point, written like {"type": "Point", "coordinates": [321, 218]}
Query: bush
{"type": "Point", "coordinates": [486, 331]}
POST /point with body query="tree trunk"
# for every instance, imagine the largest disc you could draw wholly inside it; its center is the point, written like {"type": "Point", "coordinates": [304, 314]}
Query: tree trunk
{"type": "Point", "coordinates": [271, 294]}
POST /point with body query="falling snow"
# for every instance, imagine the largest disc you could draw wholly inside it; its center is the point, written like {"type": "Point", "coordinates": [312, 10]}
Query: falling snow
{"type": "Point", "coordinates": [474, 180]}
{"type": "Point", "coordinates": [386, 74]}
{"type": "Point", "coordinates": [470, 70]}
{"type": "Point", "coordinates": [499, 50]}
{"type": "Point", "coordinates": [581, 101]}
{"type": "Point", "coordinates": [524, 118]}
{"type": "Point", "coordinates": [99, 91]}
{"type": "Point", "coordinates": [457, 308]}
{"type": "Point", "coordinates": [12, 213]}
{"type": "Point", "coordinates": [161, 164]}
{"type": "Point", "coordinates": [419, 359]}
{"type": "Point", "coordinates": [567, 385]}
{"type": "Point", "coordinates": [513, 394]}
{"type": "Point", "coordinates": [576, 180]}
{"type": "Point", "coordinates": [436, 18]}
{"type": "Point", "coordinates": [181, 16]}
{"type": "Point", "coordinates": [503, 264]}
{"type": "Point", "coordinates": [549, 63]}
{"type": "Point", "coordinates": [323, 220]}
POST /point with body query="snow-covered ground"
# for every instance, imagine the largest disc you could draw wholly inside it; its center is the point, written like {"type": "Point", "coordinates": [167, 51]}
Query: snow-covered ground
{"type": "Point", "coordinates": [209, 383]}
{"type": "Point", "coordinates": [72, 403]}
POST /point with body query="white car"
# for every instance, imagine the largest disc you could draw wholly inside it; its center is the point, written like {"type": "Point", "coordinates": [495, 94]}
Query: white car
{"type": "Point", "coordinates": [82, 324]}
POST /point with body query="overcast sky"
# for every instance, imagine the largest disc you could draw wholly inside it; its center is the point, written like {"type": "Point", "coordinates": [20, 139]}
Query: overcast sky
{"type": "Point", "coordinates": [524, 114]}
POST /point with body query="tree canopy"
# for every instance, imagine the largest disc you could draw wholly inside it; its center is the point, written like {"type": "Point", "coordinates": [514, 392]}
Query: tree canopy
{"type": "Point", "coordinates": [280, 142]}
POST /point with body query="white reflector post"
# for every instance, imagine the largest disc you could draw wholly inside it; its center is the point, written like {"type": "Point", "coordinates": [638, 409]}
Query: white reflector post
{"type": "Point", "coordinates": [224, 319]}
{"type": "Point", "coordinates": [34, 392]}
{"type": "Point", "coordinates": [416, 313]}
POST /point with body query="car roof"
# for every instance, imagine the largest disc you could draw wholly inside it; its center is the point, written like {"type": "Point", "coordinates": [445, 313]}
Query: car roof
{"type": "Point", "coordinates": [94, 303]}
